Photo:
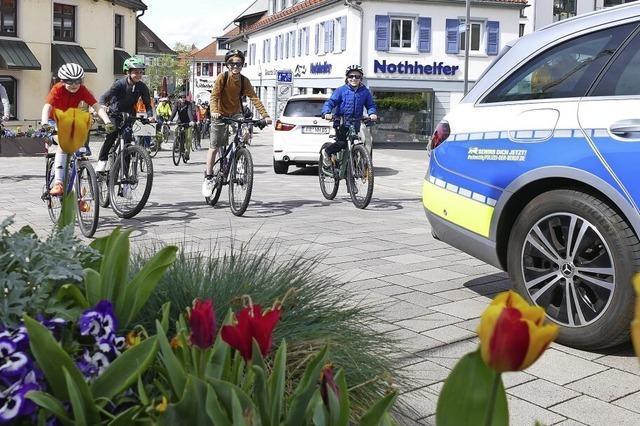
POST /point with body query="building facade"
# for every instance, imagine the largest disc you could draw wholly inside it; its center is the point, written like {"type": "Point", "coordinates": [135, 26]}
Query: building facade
{"type": "Point", "coordinates": [206, 64]}
{"type": "Point", "coordinates": [412, 53]}
{"type": "Point", "coordinates": [37, 36]}
{"type": "Point", "coordinates": [151, 49]}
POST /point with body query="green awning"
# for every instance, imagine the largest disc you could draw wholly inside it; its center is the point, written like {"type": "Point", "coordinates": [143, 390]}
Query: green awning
{"type": "Point", "coordinates": [15, 55]}
{"type": "Point", "coordinates": [65, 53]}
{"type": "Point", "coordinates": [119, 56]}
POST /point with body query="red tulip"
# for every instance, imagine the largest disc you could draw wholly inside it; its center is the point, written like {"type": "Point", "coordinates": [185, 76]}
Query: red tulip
{"type": "Point", "coordinates": [203, 324]}
{"type": "Point", "coordinates": [251, 324]}
{"type": "Point", "coordinates": [327, 383]}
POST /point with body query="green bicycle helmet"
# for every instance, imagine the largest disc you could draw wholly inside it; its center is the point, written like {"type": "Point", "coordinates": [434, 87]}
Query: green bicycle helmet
{"type": "Point", "coordinates": [133, 63]}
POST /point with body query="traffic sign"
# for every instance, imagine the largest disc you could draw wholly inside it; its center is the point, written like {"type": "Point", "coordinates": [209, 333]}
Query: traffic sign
{"type": "Point", "coordinates": [284, 77]}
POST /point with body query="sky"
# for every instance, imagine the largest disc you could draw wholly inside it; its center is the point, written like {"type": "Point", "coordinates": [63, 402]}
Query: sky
{"type": "Point", "coordinates": [191, 21]}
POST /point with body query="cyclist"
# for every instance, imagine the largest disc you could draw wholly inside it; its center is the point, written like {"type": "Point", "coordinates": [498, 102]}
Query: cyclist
{"type": "Point", "coordinates": [68, 93]}
{"type": "Point", "coordinates": [348, 101]}
{"type": "Point", "coordinates": [122, 97]}
{"type": "Point", "coordinates": [185, 112]}
{"type": "Point", "coordinates": [226, 101]}
{"type": "Point", "coordinates": [6, 106]}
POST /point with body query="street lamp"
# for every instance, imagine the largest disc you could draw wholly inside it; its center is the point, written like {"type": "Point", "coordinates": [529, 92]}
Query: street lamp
{"type": "Point", "coordinates": [467, 39]}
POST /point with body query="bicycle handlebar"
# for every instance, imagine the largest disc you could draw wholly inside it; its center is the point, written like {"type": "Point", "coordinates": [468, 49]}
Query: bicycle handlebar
{"type": "Point", "coordinates": [262, 123]}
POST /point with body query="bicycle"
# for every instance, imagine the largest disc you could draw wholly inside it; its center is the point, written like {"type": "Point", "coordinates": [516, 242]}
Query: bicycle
{"type": "Point", "coordinates": [240, 176]}
{"type": "Point", "coordinates": [162, 136]}
{"type": "Point", "coordinates": [129, 169]}
{"type": "Point", "coordinates": [181, 144]}
{"type": "Point", "coordinates": [205, 130]}
{"type": "Point", "coordinates": [352, 164]}
{"type": "Point", "coordinates": [82, 179]}
{"type": "Point", "coordinates": [197, 136]}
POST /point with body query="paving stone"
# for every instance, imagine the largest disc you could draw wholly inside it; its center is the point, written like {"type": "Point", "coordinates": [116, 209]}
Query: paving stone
{"type": "Point", "coordinates": [523, 413]}
{"type": "Point", "coordinates": [435, 274]}
{"type": "Point", "coordinates": [607, 385]}
{"type": "Point", "coordinates": [542, 393]}
{"type": "Point", "coordinates": [408, 259]}
{"type": "Point", "coordinates": [422, 401]}
{"type": "Point", "coordinates": [393, 290]}
{"type": "Point", "coordinates": [630, 402]}
{"type": "Point", "coordinates": [561, 368]}
{"type": "Point", "coordinates": [569, 422]}
{"type": "Point", "coordinates": [425, 373]}
{"type": "Point", "coordinates": [592, 411]}
{"type": "Point", "coordinates": [427, 322]}
{"type": "Point", "coordinates": [421, 299]}
{"type": "Point", "coordinates": [464, 309]}
{"type": "Point", "coordinates": [449, 334]}
{"type": "Point", "coordinates": [626, 362]}
{"type": "Point", "coordinates": [403, 280]}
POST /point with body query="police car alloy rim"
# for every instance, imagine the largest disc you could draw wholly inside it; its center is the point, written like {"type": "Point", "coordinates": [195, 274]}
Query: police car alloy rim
{"type": "Point", "coordinates": [568, 269]}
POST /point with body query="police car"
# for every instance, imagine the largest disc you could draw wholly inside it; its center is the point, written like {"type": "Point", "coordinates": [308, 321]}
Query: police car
{"type": "Point", "coordinates": [537, 171]}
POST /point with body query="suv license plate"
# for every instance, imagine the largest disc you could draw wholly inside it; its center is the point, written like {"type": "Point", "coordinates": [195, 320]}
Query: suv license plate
{"type": "Point", "coordinates": [316, 130]}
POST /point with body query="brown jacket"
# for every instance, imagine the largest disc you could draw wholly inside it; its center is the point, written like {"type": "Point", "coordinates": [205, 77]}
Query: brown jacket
{"type": "Point", "coordinates": [228, 103]}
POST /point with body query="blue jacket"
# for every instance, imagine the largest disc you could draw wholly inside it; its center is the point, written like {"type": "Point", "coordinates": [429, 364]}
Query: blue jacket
{"type": "Point", "coordinates": [349, 102]}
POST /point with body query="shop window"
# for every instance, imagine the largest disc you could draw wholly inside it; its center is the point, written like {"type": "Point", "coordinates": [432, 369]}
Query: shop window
{"type": "Point", "coordinates": [219, 68]}
{"type": "Point", "coordinates": [404, 116]}
{"type": "Point", "coordinates": [198, 69]}
{"type": "Point", "coordinates": [401, 33]}
{"type": "Point", "coordinates": [476, 36]}
{"type": "Point", "coordinates": [119, 28]}
{"type": "Point", "coordinates": [563, 9]}
{"type": "Point", "coordinates": [11, 86]}
{"type": "Point", "coordinates": [64, 22]}
{"type": "Point", "coordinates": [8, 13]}
{"type": "Point", "coordinates": [521, 30]}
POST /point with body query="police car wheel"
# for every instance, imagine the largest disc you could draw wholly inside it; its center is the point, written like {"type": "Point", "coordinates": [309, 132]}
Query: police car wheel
{"type": "Point", "coordinates": [575, 256]}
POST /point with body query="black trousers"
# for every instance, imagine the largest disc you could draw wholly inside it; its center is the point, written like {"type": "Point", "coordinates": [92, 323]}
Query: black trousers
{"type": "Point", "coordinates": [110, 138]}
{"type": "Point", "coordinates": [341, 141]}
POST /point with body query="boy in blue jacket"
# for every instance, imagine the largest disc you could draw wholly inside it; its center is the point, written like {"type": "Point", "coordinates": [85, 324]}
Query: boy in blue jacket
{"type": "Point", "coordinates": [348, 102]}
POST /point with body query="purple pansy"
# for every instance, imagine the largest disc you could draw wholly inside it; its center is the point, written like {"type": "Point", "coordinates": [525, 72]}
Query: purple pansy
{"type": "Point", "coordinates": [13, 363]}
{"type": "Point", "coordinates": [93, 364]}
{"type": "Point", "coordinates": [17, 335]}
{"type": "Point", "coordinates": [99, 322]}
{"type": "Point", "coordinates": [13, 401]}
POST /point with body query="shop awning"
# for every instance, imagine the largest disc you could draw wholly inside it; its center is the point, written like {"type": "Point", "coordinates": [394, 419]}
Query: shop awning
{"type": "Point", "coordinates": [119, 56]}
{"type": "Point", "coordinates": [15, 55]}
{"type": "Point", "coordinates": [64, 53]}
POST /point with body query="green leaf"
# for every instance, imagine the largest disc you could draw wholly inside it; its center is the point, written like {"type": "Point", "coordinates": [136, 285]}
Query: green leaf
{"type": "Point", "coordinates": [68, 210]}
{"type": "Point", "coordinates": [84, 411]}
{"type": "Point", "coordinates": [224, 389]}
{"type": "Point", "coordinates": [260, 393]}
{"type": "Point", "coordinates": [137, 292]}
{"type": "Point", "coordinates": [318, 411]}
{"type": "Point", "coordinates": [53, 360]}
{"type": "Point", "coordinates": [191, 409]}
{"type": "Point", "coordinates": [238, 412]}
{"type": "Point", "coordinates": [345, 409]}
{"type": "Point", "coordinates": [114, 268]}
{"type": "Point", "coordinates": [49, 403]}
{"type": "Point", "coordinates": [92, 285]}
{"type": "Point", "coordinates": [177, 375]}
{"type": "Point", "coordinates": [73, 293]}
{"type": "Point", "coordinates": [306, 387]}
{"type": "Point", "coordinates": [142, 393]}
{"type": "Point", "coordinates": [126, 418]}
{"type": "Point", "coordinates": [125, 369]}
{"type": "Point", "coordinates": [216, 413]}
{"type": "Point", "coordinates": [375, 414]}
{"type": "Point", "coordinates": [277, 382]}
{"type": "Point", "coordinates": [465, 396]}
{"type": "Point", "coordinates": [164, 318]}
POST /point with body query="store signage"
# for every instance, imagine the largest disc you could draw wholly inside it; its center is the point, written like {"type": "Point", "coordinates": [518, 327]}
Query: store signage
{"type": "Point", "coordinates": [319, 68]}
{"type": "Point", "coordinates": [436, 68]}
{"type": "Point", "coordinates": [205, 83]}
{"type": "Point", "coordinates": [300, 70]}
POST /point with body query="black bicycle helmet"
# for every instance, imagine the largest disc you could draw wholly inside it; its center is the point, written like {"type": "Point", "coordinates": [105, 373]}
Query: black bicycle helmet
{"type": "Point", "coordinates": [232, 53]}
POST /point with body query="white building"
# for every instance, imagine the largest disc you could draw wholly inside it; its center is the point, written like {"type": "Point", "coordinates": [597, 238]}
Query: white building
{"type": "Point", "coordinates": [541, 13]}
{"type": "Point", "coordinates": [412, 53]}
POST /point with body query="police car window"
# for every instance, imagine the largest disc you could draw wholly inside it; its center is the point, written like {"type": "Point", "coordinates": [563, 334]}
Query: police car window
{"type": "Point", "coordinates": [564, 71]}
{"type": "Point", "coordinates": [304, 108]}
{"type": "Point", "coordinates": [621, 78]}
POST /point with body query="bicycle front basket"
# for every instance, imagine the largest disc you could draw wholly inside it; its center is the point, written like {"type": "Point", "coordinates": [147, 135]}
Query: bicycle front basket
{"type": "Point", "coordinates": [140, 129]}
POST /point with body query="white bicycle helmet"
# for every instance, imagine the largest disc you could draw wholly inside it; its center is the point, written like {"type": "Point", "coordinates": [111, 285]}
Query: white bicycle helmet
{"type": "Point", "coordinates": [354, 68]}
{"type": "Point", "coordinates": [70, 71]}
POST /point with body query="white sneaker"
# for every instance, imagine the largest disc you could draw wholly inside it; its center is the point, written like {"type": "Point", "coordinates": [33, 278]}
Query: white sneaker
{"type": "Point", "coordinates": [126, 191]}
{"type": "Point", "coordinates": [207, 187]}
{"type": "Point", "coordinates": [101, 166]}
{"type": "Point", "coordinates": [326, 160]}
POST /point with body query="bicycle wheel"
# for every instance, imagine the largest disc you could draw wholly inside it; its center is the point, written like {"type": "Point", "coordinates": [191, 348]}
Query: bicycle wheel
{"type": "Point", "coordinates": [187, 146]}
{"type": "Point", "coordinates": [88, 199]}
{"type": "Point", "coordinates": [129, 188]}
{"type": "Point", "coordinates": [241, 182]}
{"type": "Point", "coordinates": [218, 178]}
{"type": "Point", "coordinates": [54, 204]}
{"type": "Point", "coordinates": [360, 177]}
{"type": "Point", "coordinates": [153, 151]}
{"type": "Point", "coordinates": [328, 180]}
{"type": "Point", "coordinates": [103, 179]}
{"type": "Point", "coordinates": [177, 149]}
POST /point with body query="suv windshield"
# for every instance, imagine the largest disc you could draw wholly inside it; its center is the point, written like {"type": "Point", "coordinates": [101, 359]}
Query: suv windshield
{"type": "Point", "coordinates": [304, 108]}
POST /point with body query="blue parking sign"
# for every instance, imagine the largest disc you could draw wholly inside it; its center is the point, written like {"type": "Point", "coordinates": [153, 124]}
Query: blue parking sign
{"type": "Point", "coordinates": [284, 76]}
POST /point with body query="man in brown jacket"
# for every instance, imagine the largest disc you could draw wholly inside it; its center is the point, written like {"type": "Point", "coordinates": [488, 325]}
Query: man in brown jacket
{"type": "Point", "coordinates": [226, 101]}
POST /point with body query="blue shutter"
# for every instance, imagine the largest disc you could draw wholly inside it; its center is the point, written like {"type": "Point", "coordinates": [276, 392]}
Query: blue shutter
{"type": "Point", "coordinates": [306, 41]}
{"type": "Point", "coordinates": [382, 32]}
{"type": "Point", "coordinates": [493, 37]}
{"type": "Point", "coordinates": [328, 36]}
{"type": "Point", "coordinates": [343, 33]}
{"type": "Point", "coordinates": [424, 34]}
{"type": "Point", "coordinates": [452, 36]}
{"type": "Point", "coordinates": [317, 39]}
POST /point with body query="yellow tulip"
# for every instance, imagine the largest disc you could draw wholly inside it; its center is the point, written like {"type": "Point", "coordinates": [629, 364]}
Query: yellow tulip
{"type": "Point", "coordinates": [132, 339]}
{"type": "Point", "coordinates": [512, 333]}
{"type": "Point", "coordinates": [162, 407]}
{"type": "Point", "coordinates": [73, 128]}
{"type": "Point", "coordinates": [635, 324]}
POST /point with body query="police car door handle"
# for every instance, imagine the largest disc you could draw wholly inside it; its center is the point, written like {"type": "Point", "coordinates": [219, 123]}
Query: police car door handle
{"type": "Point", "coordinates": [625, 127]}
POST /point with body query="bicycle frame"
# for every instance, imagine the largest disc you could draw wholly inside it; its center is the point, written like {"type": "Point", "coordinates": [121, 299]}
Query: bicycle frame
{"type": "Point", "coordinates": [238, 142]}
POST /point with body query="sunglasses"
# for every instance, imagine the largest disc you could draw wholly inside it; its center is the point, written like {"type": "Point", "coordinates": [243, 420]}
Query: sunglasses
{"type": "Point", "coordinates": [234, 64]}
{"type": "Point", "coordinates": [72, 82]}
{"type": "Point", "coordinates": [355, 76]}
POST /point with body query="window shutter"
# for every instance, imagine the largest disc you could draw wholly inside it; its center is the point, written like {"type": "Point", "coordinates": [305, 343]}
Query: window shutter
{"type": "Point", "coordinates": [382, 32]}
{"type": "Point", "coordinates": [424, 34]}
{"type": "Point", "coordinates": [493, 37]}
{"type": "Point", "coordinates": [343, 33]}
{"type": "Point", "coordinates": [317, 39]}
{"type": "Point", "coordinates": [300, 32]}
{"type": "Point", "coordinates": [281, 46]}
{"type": "Point", "coordinates": [328, 36]}
{"type": "Point", "coordinates": [452, 36]}
{"type": "Point", "coordinates": [286, 45]}
{"type": "Point", "coordinates": [306, 41]}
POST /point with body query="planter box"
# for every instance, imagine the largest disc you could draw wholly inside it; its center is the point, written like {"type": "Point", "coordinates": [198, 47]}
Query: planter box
{"type": "Point", "coordinates": [22, 146]}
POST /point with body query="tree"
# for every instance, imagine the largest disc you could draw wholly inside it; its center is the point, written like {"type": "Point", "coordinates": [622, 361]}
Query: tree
{"type": "Point", "coordinates": [174, 68]}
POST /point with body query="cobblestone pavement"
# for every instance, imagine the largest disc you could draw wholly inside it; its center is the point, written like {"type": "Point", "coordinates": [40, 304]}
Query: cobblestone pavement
{"type": "Point", "coordinates": [432, 293]}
